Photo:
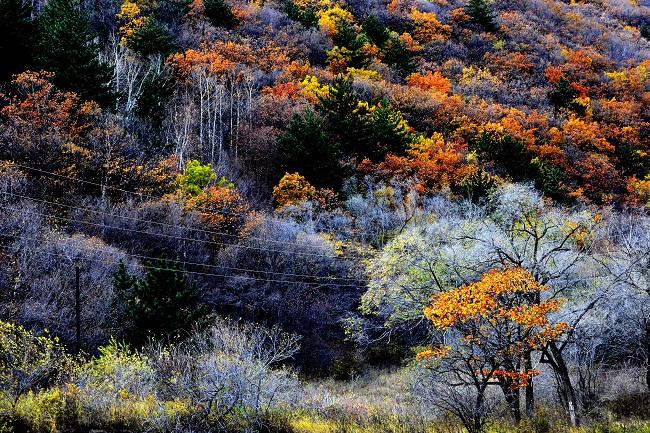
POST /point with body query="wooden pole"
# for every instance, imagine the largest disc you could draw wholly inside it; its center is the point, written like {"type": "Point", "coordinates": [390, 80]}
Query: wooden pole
{"type": "Point", "coordinates": [77, 302]}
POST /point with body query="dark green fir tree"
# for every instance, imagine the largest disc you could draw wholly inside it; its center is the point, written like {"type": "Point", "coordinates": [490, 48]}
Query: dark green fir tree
{"type": "Point", "coordinates": [309, 18]}
{"type": "Point", "coordinates": [376, 31]}
{"type": "Point", "coordinates": [346, 37]}
{"type": "Point", "coordinates": [397, 56]}
{"type": "Point", "coordinates": [305, 147]}
{"type": "Point", "coordinates": [219, 13]}
{"type": "Point", "coordinates": [645, 31]}
{"type": "Point", "coordinates": [345, 122]}
{"type": "Point", "coordinates": [163, 304]}
{"type": "Point", "coordinates": [16, 37]}
{"type": "Point", "coordinates": [389, 132]}
{"type": "Point", "coordinates": [306, 16]}
{"type": "Point", "coordinates": [123, 283]}
{"type": "Point", "coordinates": [480, 11]}
{"type": "Point", "coordinates": [66, 47]}
{"type": "Point", "coordinates": [151, 38]}
{"type": "Point", "coordinates": [508, 153]}
{"type": "Point", "coordinates": [157, 89]}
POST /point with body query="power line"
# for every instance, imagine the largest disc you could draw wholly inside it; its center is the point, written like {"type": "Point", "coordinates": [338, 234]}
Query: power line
{"type": "Point", "coordinates": [204, 274]}
{"type": "Point", "coordinates": [112, 215]}
{"type": "Point", "coordinates": [173, 236]}
{"type": "Point", "coordinates": [141, 195]}
{"type": "Point", "coordinates": [143, 257]}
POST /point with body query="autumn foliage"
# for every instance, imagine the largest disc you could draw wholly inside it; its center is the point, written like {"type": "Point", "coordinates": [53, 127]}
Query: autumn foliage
{"type": "Point", "coordinates": [292, 189]}
{"type": "Point", "coordinates": [502, 316]}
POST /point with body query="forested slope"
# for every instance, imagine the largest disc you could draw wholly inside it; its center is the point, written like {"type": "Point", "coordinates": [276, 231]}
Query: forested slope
{"type": "Point", "coordinates": [321, 215]}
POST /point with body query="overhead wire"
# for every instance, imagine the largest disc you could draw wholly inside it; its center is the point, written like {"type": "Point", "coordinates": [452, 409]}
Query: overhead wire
{"type": "Point", "coordinates": [158, 223]}
{"type": "Point", "coordinates": [184, 271]}
{"type": "Point", "coordinates": [141, 195]}
{"type": "Point", "coordinates": [184, 263]}
{"type": "Point", "coordinates": [180, 238]}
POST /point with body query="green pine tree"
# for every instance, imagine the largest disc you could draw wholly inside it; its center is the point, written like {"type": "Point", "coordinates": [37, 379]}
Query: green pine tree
{"type": "Point", "coordinates": [164, 303]}
{"type": "Point", "coordinates": [563, 96]}
{"type": "Point", "coordinates": [309, 18]}
{"type": "Point", "coordinates": [477, 186]}
{"type": "Point", "coordinates": [550, 179]}
{"type": "Point", "coordinates": [389, 132]}
{"type": "Point", "coordinates": [376, 31]}
{"type": "Point", "coordinates": [219, 13]}
{"type": "Point", "coordinates": [398, 57]}
{"type": "Point", "coordinates": [508, 153]}
{"type": "Point", "coordinates": [157, 89]}
{"type": "Point", "coordinates": [645, 31]}
{"type": "Point", "coordinates": [16, 37]}
{"type": "Point", "coordinates": [151, 38]}
{"type": "Point", "coordinates": [123, 283]}
{"type": "Point", "coordinates": [305, 147]}
{"type": "Point", "coordinates": [347, 37]}
{"type": "Point", "coordinates": [481, 14]}
{"type": "Point", "coordinates": [66, 48]}
{"type": "Point", "coordinates": [305, 16]}
{"type": "Point", "coordinates": [345, 122]}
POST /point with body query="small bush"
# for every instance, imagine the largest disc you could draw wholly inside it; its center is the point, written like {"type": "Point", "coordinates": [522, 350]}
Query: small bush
{"type": "Point", "coordinates": [41, 412]}
{"type": "Point", "coordinates": [630, 405]}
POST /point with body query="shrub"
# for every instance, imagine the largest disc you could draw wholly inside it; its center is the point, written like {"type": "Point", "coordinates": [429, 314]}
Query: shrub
{"type": "Point", "coordinates": [27, 360]}
{"type": "Point", "coordinates": [195, 177]}
{"type": "Point", "coordinates": [478, 185]}
{"type": "Point", "coordinates": [231, 373]}
{"type": "Point", "coordinates": [630, 405]}
{"type": "Point", "coordinates": [42, 411]}
{"type": "Point", "coordinates": [118, 389]}
{"type": "Point", "coordinates": [222, 208]}
{"type": "Point", "coordinates": [292, 189]}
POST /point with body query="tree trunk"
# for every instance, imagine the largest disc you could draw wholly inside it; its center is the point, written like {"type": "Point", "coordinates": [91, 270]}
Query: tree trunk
{"type": "Point", "coordinates": [478, 412]}
{"type": "Point", "coordinates": [513, 400]}
{"type": "Point", "coordinates": [647, 353]}
{"type": "Point", "coordinates": [565, 387]}
{"type": "Point", "coordinates": [530, 391]}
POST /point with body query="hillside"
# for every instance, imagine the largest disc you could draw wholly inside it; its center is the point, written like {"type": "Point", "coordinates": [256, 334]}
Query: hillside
{"type": "Point", "coordinates": [324, 216]}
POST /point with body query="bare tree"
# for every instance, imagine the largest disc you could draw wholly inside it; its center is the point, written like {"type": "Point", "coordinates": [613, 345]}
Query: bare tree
{"type": "Point", "coordinates": [229, 366]}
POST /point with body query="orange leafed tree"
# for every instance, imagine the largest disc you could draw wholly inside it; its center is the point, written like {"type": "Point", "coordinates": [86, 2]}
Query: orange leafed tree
{"type": "Point", "coordinates": [38, 121]}
{"type": "Point", "coordinates": [223, 57]}
{"type": "Point", "coordinates": [435, 163]}
{"type": "Point", "coordinates": [497, 322]}
{"type": "Point", "coordinates": [431, 81]}
{"type": "Point", "coordinates": [222, 208]}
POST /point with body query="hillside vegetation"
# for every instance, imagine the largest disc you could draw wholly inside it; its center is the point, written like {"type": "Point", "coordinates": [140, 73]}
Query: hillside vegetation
{"type": "Point", "coordinates": [328, 216]}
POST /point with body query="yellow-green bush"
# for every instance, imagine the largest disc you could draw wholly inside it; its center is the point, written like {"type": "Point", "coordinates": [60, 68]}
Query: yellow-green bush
{"type": "Point", "coordinates": [42, 411]}
{"type": "Point", "coordinates": [118, 389]}
{"type": "Point", "coordinates": [26, 359]}
{"type": "Point", "coordinates": [6, 413]}
{"type": "Point", "coordinates": [305, 424]}
{"type": "Point", "coordinates": [57, 409]}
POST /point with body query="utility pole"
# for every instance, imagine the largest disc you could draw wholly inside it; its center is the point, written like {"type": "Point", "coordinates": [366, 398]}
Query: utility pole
{"type": "Point", "coordinates": [77, 302]}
